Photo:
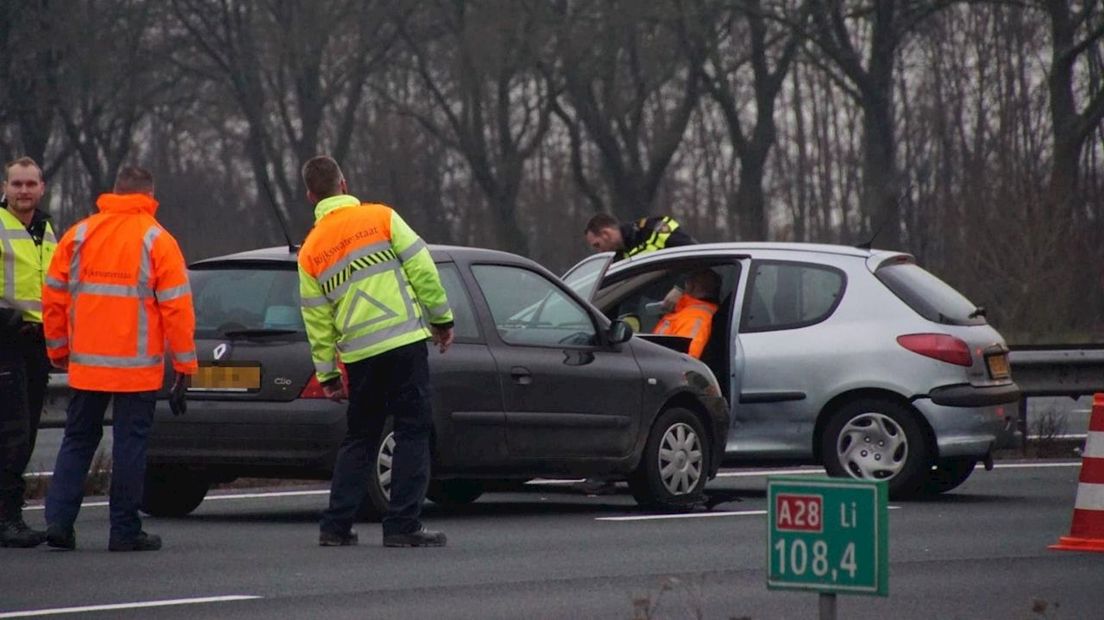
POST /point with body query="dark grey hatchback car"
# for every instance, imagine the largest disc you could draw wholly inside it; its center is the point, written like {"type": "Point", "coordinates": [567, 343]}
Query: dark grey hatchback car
{"type": "Point", "coordinates": [537, 384]}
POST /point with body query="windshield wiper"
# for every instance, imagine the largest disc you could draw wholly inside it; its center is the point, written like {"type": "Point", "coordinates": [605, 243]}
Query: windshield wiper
{"type": "Point", "coordinates": [979, 311]}
{"type": "Point", "coordinates": [259, 332]}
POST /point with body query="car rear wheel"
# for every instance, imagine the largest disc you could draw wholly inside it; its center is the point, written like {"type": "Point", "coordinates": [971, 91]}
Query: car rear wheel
{"type": "Point", "coordinates": [172, 491]}
{"type": "Point", "coordinates": [875, 439]}
{"type": "Point", "coordinates": [949, 474]}
{"type": "Point", "coordinates": [454, 492]}
{"type": "Point", "coordinates": [673, 469]}
{"type": "Point", "coordinates": [374, 505]}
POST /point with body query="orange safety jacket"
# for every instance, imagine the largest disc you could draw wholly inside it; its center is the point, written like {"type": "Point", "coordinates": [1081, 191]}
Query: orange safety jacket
{"type": "Point", "coordinates": [117, 289]}
{"type": "Point", "coordinates": [692, 318]}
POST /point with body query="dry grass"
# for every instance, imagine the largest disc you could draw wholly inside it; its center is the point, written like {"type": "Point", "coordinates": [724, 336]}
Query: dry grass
{"type": "Point", "coordinates": [97, 483]}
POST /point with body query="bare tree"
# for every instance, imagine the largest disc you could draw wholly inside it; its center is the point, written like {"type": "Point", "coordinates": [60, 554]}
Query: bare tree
{"type": "Point", "coordinates": [632, 91]}
{"type": "Point", "coordinates": [477, 62]}
{"type": "Point", "coordinates": [841, 29]}
{"type": "Point", "coordinates": [28, 58]}
{"type": "Point", "coordinates": [724, 57]}
{"type": "Point", "coordinates": [295, 69]}
{"type": "Point", "coordinates": [1075, 29]}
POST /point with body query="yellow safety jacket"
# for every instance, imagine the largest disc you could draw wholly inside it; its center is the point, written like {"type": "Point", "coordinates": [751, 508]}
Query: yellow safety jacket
{"type": "Point", "coordinates": [366, 284]}
{"type": "Point", "coordinates": [23, 266]}
{"type": "Point", "coordinates": [650, 234]}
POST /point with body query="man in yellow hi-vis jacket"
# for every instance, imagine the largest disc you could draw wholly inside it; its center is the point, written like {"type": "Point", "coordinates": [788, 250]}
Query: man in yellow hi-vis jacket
{"type": "Point", "coordinates": [27, 244]}
{"type": "Point", "coordinates": [370, 293]}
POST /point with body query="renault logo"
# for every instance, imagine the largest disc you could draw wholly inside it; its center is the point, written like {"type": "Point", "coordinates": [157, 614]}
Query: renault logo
{"type": "Point", "coordinates": [221, 350]}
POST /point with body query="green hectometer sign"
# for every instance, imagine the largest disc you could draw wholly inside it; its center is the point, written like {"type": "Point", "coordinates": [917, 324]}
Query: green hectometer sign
{"type": "Point", "coordinates": [828, 535]}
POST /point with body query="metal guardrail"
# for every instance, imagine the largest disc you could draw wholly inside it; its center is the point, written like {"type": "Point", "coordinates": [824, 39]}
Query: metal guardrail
{"type": "Point", "coordinates": [1055, 370]}
{"type": "Point", "coordinates": [1039, 370]}
{"type": "Point", "coordinates": [1072, 371]}
{"type": "Point", "coordinates": [57, 399]}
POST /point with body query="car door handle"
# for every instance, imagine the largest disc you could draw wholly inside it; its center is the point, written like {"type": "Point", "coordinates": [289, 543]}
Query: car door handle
{"type": "Point", "coordinates": [521, 375]}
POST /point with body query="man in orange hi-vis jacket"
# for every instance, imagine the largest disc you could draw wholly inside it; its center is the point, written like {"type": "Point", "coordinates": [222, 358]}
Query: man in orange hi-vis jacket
{"type": "Point", "coordinates": [117, 290]}
{"type": "Point", "coordinates": [693, 314]}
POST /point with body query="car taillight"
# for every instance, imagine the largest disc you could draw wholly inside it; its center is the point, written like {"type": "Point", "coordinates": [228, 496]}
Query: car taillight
{"type": "Point", "coordinates": [938, 346]}
{"type": "Point", "coordinates": [313, 388]}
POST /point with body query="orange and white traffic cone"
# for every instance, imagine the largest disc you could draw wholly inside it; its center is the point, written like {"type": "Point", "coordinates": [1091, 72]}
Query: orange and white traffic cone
{"type": "Point", "coordinates": [1087, 531]}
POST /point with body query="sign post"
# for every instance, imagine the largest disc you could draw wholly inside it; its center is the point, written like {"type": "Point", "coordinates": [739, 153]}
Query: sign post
{"type": "Point", "coordinates": [828, 535]}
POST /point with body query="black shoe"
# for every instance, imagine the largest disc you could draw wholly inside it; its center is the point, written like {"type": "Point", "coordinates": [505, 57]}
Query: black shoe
{"type": "Point", "coordinates": [421, 538]}
{"type": "Point", "coordinates": [15, 533]}
{"type": "Point", "coordinates": [329, 539]}
{"type": "Point", "coordinates": [141, 542]}
{"type": "Point", "coordinates": [61, 537]}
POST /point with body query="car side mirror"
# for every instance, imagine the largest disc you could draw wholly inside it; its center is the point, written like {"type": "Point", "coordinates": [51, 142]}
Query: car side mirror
{"type": "Point", "coordinates": [619, 331]}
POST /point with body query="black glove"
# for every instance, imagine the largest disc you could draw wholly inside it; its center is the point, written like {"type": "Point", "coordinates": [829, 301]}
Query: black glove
{"type": "Point", "coordinates": [178, 402]}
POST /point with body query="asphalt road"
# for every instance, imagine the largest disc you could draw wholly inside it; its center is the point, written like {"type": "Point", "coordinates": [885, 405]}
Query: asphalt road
{"type": "Point", "coordinates": [979, 552]}
{"type": "Point", "coordinates": [1062, 415]}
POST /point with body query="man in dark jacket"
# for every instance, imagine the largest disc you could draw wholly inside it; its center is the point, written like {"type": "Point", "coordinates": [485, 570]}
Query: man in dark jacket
{"type": "Point", "coordinates": [605, 234]}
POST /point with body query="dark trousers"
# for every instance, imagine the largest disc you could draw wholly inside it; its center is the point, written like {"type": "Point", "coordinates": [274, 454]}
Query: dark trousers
{"type": "Point", "coordinates": [133, 417]}
{"type": "Point", "coordinates": [24, 370]}
{"type": "Point", "coordinates": [394, 383]}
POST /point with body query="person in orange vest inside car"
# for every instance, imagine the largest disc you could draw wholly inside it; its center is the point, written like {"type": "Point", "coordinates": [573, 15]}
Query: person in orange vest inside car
{"type": "Point", "coordinates": [693, 314]}
{"type": "Point", "coordinates": [117, 291]}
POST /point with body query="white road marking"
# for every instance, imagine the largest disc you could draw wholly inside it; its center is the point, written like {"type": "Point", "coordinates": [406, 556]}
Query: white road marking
{"type": "Point", "coordinates": [215, 498]}
{"type": "Point", "coordinates": [1036, 465]}
{"type": "Point", "coordinates": [694, 515]}
{"type": "Point", "coordinates": [137, 605]}
{"type": "Point", "coordinates": [723, 474]}
{"type": "Point", "coordinates": [770, 472]}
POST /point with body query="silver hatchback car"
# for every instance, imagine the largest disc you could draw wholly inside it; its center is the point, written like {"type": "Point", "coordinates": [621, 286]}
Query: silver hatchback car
{"type": "Point", "coordinates": [856, 359]}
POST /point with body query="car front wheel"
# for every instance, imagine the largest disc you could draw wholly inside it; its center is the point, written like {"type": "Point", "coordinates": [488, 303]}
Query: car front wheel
{"type": "Point", "coordinates": [876, 439]}
{"type": "Point", "coordinates": [172, 491]}
{"type": "Point", "coordinates": [672, 470]}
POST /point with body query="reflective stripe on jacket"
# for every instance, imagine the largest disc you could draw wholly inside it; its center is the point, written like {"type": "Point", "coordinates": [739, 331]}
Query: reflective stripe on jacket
{"type": "Point", "coordinates": [366, 284]}
{"type": "Point", "coordinates": [23, 266]}
{"type": "Point", "coordinates": [651, 234]}
{"type": "Point", "coordinates": [117, 290]}
{"type": "Point", "coordinates": [692, 318]}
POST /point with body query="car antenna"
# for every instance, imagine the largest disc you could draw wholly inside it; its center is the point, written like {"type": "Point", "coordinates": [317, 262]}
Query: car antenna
{"type": "Point", "coordinates": [291, 246]}
{"type": "Point", "coordinates": [869, 243]}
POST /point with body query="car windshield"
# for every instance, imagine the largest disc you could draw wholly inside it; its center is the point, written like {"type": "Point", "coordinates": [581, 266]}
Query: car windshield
{"type": "Point", "coordinates": [929, 296]}
{"type": "Point", "coordinates": [247, 300]}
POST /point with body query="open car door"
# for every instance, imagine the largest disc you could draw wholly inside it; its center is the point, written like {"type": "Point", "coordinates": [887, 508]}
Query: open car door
{"type": "Point", "coordinates": [586, 276]}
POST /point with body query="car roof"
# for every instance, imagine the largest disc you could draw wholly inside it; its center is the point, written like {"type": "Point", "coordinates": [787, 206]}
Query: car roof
{"type": "Point", "coordinates": [751, 247]}
{"type": "Point", "coordinates": [284, 254]}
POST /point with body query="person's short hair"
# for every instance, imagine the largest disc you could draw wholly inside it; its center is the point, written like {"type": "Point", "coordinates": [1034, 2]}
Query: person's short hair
{"type": "Point", "coordinates": [26, 162]}
{"type": "Point", "coordinates": [322, 176]}
{"type": "Point", "coordinates": [599, 222]}
{"type": "Point", "coordinates": [133, 180]}
{"type": "Point", "coordinates": [709, 281]}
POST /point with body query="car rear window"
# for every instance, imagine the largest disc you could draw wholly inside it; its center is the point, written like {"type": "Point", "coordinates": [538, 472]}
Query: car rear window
{"type": "Point", "coordinates": [229, 299]}
{"type": "Point", "coordinates": [929, 296]}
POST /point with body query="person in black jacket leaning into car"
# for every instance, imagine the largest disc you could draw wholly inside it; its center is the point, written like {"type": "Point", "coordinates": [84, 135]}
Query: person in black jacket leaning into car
{"type": "Point", "coordinates": [648, 234]}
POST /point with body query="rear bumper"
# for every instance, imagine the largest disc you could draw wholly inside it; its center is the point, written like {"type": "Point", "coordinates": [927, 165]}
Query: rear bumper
{"type": "Point", "coordinates": [966, 395]}
{"type": "Point", "coordinates": [243, 438]}
{"type": "Point", "coordinates": [969, 430]}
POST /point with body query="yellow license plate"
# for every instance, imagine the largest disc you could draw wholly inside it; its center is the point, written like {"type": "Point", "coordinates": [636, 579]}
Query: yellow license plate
{"type": "Point", "coordinates": [227, 378]}
{"type": "Point", "coordinates": [998, 366]}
